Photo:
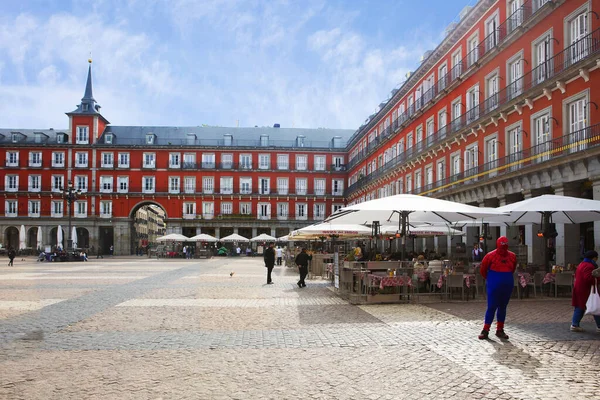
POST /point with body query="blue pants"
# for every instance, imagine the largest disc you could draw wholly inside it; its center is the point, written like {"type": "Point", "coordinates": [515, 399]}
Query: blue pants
{"type": "Point", "coordinates": [499, 289]}
{"type": "Point", "coordinates": [578, 314]}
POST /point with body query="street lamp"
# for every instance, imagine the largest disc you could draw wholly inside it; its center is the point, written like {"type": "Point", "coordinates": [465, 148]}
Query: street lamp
{"type": "Point", "coordinates": [70, 195]}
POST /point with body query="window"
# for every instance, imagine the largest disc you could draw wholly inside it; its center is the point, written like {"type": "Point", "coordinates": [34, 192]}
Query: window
{"type": "Point", "coordinates": [82, 135]}
{"type": "Point", "coordinates": [429, 177]}
{"type": "Point", "coordinates": [319, 187]}
{"type": "Point", "coordinates": [105, 209]}
{"type": "Point", "coordinates": [337, 188]}
{"type": "Point", "coordinates": [208, 210]}
{"type": "Point", "coordinates": [226, 185]}
{"type": "Point", "coordinates": [456, 113]}
{"type": "Point", "coordinates": [442, 78]}
{"type": "Point", "coordinates": [336, 207]}
{"type": "Point", "coordinates": [473, 104]}
{"type": "Point", "coordinates": [264, 140]}
{"type": "Point", "coordinates": [577, 114]}
{"type": "Point", "coordinates": [419, 137]}
{"type": "Point", "coordinates": [491, 154]}
{"type": "Point", "coordinates": [149, 160]}
{"type": "Point", "coordinates": [189, 210]}
{"type": "Point", "coordinates": [148, 184]}
{"type": "Point", "coordinates": [282, 210]}
{"type": "Point", "coordinates": [408, 184]}
{"type": "Point", "coordinates": [34, 184]}
{"type": "Point", "coordinates": [319, 163]}
{"type": "Point", "coordinates": [455, 164]}
{"type": "Point", "coordinates": [80, 209]}
{"type": "Point", "coordinates": [226, 161]}
{"type": "Point", "coordinates": [58, 159]}
{"type": "Point", "coordinates": [81, 159]}
{"type": "Point", "coordinates": [56, 210]}
{"type": "Point", "coordinates": [282, 186]}
{"type": "Point", "coordinates": [514, 146]}
{"type": "Point", "coordinates": [11, 183]}
{"type": "Point", "coordinates": [338, 163]}
{"type": "Point", "coordinates": [10, 208]}
{"type": "Point", "coordinates": [123, 182]}
{"type": "Point", "coordinates": [541, 126]}
{"type": "Point", "coordinates": [226, 208]}
{"type": "Point", "coordinates": [301, 213]}
{"type": "Point", "coordinates": [106, 183]}
{"type": "Point", "coordinates": [81, 183]}
{"type": "Point", "coordinates": [442, 122]}
{"type": "Point", "coordinates": [107, 160]}
{"type": "Point", "coordinates": [35, 159]}
{"type": "Point", "coordinates": [301, 162]}
{"type": "Point", "coordinates": [473, 49]}
{"type": "Point", "coordinates": [208, 161]}
{"type": "Point", "coordinates": [264, 161]}
{"type": "Point", "coordinates": [492, 35]}
{"type": "Point", "coordinates": [189, 161]}
{"type": "Point", "coordinates": [492, 92]}
{"type": "Point", "coordinates": [57, 183]}
{"type": "Point", "coordinates": [189, 184]}
{"type": "Point", "coordinates": [578, 29]}
{"type": "Point", "coordinates": [246, 208]}
{"type": "Point", "coordinates": [208, 185]}
{"type": "Point", "coordinates": [264, 211]}
{"type": "Point", "coordinates": [542, 52]}
{"type": "Point", "coordinates": [440, 170]}
{"type": "Point", "coordinates": [301, 184]}
{"type": "Point", "coordinates": [246, 185]}
{"type": "Point", "coordinates": [33, 208]}
{"type": "Point", "coordinates": [471, 160]}
{"type": "Point", "coordinates": [123, 160]}
{"type": "Point", "coordinates": [174, 184]}
{"type": "Point", "coordinates": [174, 159]}
{"type": "Point", "coordinates": [61, 138]}
{"type": "Point", "coordinates": [108, 139]}
{"type": "Point", "coordinates": [150, 138]}
{"type": "Point", "coordinates": [418, 180]}
{"type": "Point", "coordinates": [283, 161]}
{"type": "Point", "coordinates": [456, 65]}
{"type": "Point", "coordinates": [515, 12]}
{"type": "Point", "coordinates": [430, 131]}
{"type": "Point", "coordinates": [515, 73]}
{"type": "Point", "coordinates": [319, 211]}
{"type": "Point", "coordinates": [245, 161]}
{"type": "Point", "coordinates": [264, 186]}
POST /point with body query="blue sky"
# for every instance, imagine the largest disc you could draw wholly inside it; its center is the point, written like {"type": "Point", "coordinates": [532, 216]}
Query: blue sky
{"type": "Point", "coordinates": [304, 63]}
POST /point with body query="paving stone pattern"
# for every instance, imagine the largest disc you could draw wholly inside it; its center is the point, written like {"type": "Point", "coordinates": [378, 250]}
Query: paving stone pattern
{"type": "Point", "coordinates": [134, 328]}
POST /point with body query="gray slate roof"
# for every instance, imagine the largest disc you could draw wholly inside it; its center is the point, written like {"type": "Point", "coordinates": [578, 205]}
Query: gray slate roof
{"type": "Point", "coordinates": [29, 136]}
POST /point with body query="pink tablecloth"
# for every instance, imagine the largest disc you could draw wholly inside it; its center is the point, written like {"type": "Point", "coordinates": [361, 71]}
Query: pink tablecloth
{"type": "Point", "coordinates": [385, 281]}
{"type": "Point", "coordinates": [423, 276]}
{"type": "Point", "coordinates": [549, 278]}
{"type": "Point", "coordinates": [524, 278]}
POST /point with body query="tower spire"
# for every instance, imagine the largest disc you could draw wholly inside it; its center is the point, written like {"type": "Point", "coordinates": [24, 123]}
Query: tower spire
{"type": "Point", "coordinates": [88, 96]}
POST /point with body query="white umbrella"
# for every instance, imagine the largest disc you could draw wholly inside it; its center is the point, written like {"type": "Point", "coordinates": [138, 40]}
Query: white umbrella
{"type": "Point", "coordinates": [22, 238]}
{"type": "Point", "coordinates": [562, 210]}
{"type": "Point", "coordinates": [263, 237]}
{"type": "Point", "coordinates": [40, 242]}
{"type": "Point", "coordinates": [328, 229]}
{"type": "Point", "coordinates": [234, 238]}
{"type": "Point", "coordinates": [203, 237]}
{"type": "Point", "coordinates": [59, 237]}
{"type": "Point", "coordinates": [74, 237]}
{"type": "Point", "coordinates": [285, 238]}
{"type": "Point", "coordinates": [424, 231]}
{"type": "Point", "coordinates": [172, 237]}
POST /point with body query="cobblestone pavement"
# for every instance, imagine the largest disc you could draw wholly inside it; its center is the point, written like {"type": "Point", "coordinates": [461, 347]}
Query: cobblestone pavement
{"type": "Point", "coordinates": [134, 328]}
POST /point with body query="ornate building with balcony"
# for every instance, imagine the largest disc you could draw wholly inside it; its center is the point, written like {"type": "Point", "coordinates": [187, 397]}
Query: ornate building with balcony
{"type": "Point", "coordinates": [213, 180]}
{"type": "Point", "coordinates": [505, 108]}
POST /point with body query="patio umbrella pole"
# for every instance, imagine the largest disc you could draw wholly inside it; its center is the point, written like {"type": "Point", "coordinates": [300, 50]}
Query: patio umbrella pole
{"type": "Point", "coordinates": [403, 228]}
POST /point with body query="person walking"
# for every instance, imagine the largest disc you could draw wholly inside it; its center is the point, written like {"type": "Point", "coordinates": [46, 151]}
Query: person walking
{"type": "Point", "coordinates": [269, 257]}
{"type": "Point", "coordinates": [112, 250]}
{"type": "Point", "coordinates": [11, 256]}
{"type": "Point", "coordinates": [477, 252]}
{"type": "Point", "coordinates": [279, 253]}
{"type": "Point", "coordinates": [185, 252]}
{"type": "Point", "coordinates": [99, 253]}
{"type": "Point", "coordinates": [585, 277]}
{"type": "Point", "coordinates": [498, 267]}
{"type": "Point", "coordinates": [301, 261]}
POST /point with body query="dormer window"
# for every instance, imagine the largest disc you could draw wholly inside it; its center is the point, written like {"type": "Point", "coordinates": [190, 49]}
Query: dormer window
{"type": "Point", "coordinates": [228, 140]}
{"type": "Point", "coordinates": [39, 137]}
{"type": "Point", "coordinates": [264, 140]}
{"type": "Point", "coordinates": [150, 138]}
{"type": "Point", "coordinates": [85, 107]}
{"type": "Point", "coordinates": [60, 138]}
{"type": "Point", "coordinates": [300, 141]}
{"type": "Point", "coordinates": [108, 138]}
{"type": "Point", "coordinates": [15, 137]}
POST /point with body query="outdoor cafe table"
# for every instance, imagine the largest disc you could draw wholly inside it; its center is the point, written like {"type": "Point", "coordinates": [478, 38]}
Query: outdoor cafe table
{"type": "Point", "coordinates": [388, 281]}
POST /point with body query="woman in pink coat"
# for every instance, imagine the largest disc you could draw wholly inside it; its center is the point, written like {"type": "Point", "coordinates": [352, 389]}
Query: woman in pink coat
{"type": "Point", "coordinates": [584, 279]}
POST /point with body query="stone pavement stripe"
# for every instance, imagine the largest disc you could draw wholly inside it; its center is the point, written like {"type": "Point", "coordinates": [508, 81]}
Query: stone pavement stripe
{"type": "Point", "coordinates": [72, 277]}
{"type": "Point", "coordinates": [244, 303]}
{"type": "Point", "coordinates": [27, 305]}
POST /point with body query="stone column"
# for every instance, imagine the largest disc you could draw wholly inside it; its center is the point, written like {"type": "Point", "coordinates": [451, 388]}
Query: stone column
{"type": "Point", "coordinates": [198, 230]}
{"type": "Point", "coordinates": [235, 229]}
{"type": "Point", "coordinates": [254, 232]}
{"type": "Point", "coordinates": [273, 232]}
{"type": "Point", "coordinates": [218, 233]}
{"type": "Point", "coordinates": [566, 243]}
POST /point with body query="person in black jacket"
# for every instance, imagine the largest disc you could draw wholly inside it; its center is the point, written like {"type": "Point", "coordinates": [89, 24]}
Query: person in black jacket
{"type": "Point", "coordinates": [301, 261]}
{"type": "Point", "coordinates": [269, 257]}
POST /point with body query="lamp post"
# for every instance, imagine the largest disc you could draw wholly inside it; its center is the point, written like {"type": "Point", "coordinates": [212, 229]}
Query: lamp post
{"type": "Point", "coordinates": [70, 195]}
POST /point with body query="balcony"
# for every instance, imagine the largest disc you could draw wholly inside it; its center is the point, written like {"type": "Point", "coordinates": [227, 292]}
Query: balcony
{"type": "Point", "coordinates": [189, 165]}
{"type": "Point", "coordinates": [226, 165]}
{"type": "Point", "coordinates": [11, 164]}
{"type": "Point", "coordinates": [35, 164]}
{"type": "Point", "coordinates": [106, 215]}
{"type": "Point", "coordinates": [174, 166]}
{"type": "Point", "coordinates": [535, 80]}
{"type": "Point", "coordinates": [189, 216]}
{"type": "Point", "coordinates": [337, 168]}
{"type": "Point", "coordinates": [208, 165]}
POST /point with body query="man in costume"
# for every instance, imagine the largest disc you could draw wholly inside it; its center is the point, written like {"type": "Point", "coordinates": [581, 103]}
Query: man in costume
{"type": "Point", "coordinates": [498, 267]}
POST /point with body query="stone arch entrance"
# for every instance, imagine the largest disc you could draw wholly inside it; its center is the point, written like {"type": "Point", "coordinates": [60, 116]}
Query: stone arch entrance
{"type": "Point", "coordinates": [148, 221]}
{"type": "Point", "coordinates": [83, 238]}
{"type": "Point", "coordinates": [11, 237]}
{"type": "Point", "coordinates": [32, 237]}
{"type": "Point", "coordinates": [53, 240]}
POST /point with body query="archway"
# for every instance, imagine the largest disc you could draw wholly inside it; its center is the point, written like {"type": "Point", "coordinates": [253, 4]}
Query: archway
{"type": "Point", "coordinates": [148, 221]}
{"type": "Point", "coordinates": [11, 237]}
{"type": "Point", "coordinates": [53, 239]}
{"type": "Point", "coordinates": [83, 238]}
{"type": "Point", "coordinates": [32, 237]}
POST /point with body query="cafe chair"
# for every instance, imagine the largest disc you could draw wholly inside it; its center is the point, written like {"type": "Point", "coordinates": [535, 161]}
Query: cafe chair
{"type": "Point", "coordinates": [563, 279]}
{"type": "Point", "coordinates": [434, 277]}
{"type": "Point", "coordinates": [538, 280]}
{"type": "Point", "coordinates": [480, 283]}
{"type": "Point", "coordinates": [456, 282]}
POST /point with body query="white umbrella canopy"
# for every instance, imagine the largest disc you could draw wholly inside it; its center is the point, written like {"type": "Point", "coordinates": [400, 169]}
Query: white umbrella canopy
{"type": "Point", "coordinates": [326, 229]}
{"type": "Point", "coordinates": [424, 231]}
{"type": "Point", "coordinates": [22, 238]}
{"type": "Point", "coordinates": [59, 237]}
{"type": "Point", "coordinates": [563, 210]}
{"type": "Point", "coordinates": [172, 237]}
{"type": "Point", "coordinates": [74, 237]}
{"type": "Point", "coordinates": [263, 237]}
{"type": "Point", "coordinates": [234, 238]}
{"type": "Point", "coordinates": [420, 209]}
{"type": "Point", "coordinates": [285, 238]}
{"type": "Point", "coordinates": [203, 237]}
{"type": "Point", "coordinates": [39, 239]}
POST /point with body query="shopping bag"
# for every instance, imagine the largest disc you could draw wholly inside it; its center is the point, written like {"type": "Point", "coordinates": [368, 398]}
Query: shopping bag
{"type": "Point", "coordinates": [593, 303]}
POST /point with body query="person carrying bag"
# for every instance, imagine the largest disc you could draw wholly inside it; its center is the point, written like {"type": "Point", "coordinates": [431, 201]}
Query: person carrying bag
{"type": "Point", "coordinates": [585, 291]}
